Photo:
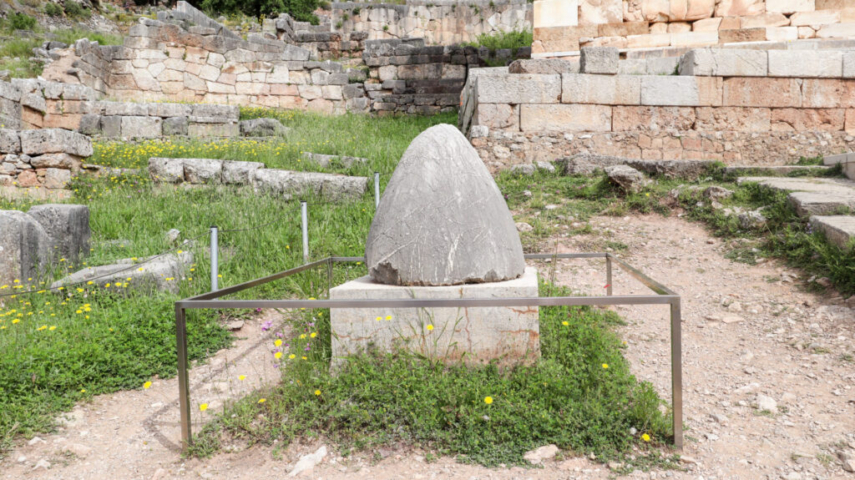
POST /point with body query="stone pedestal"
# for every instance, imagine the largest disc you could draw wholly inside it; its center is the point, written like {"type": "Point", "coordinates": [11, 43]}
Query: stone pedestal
{"type": "Point", "coordinates": [510, 335]}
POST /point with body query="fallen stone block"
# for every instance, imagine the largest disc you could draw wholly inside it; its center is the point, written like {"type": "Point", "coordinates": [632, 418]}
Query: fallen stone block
{"type": "Point", "coordinates": [166, 170]}
{"type": "Point", "coordinates": [25, 247]}
{"type": "Point", "coordinates": [239, 173]}
{"type": "Point", "coordinates": [262, 127]}
{"type": "Point", "coordinates": [203, 171]}
{"type": "Point", "coordinates": [329, 160]}
{"type": "Point", "coordinates": [304, 184]}
{"type": "Point", "coordinates": [68, 227]}
{"type": "Point", "coordinates": [627, 178]}
{"type": "Point", "coordinates": [157, 273]}
{"type": "Point", "coordinates": [838, 229]}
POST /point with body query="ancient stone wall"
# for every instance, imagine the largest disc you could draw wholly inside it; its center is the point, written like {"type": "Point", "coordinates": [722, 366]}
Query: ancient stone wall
{"type": "Point", "coordinates": [41, 158]}
{"type": "Point", "coordinates": [631, 24]}
{"type": "Point", "coordinates": [738, 106]}
{"type": "Point", "coordinates": [439, 22]}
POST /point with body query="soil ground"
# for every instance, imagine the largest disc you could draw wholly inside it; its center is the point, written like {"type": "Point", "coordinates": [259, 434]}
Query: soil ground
{"type": "Point", "coordinates": [747, 331]}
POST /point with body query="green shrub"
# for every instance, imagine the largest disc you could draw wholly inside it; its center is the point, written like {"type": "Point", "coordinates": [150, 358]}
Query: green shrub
{"type": "Point", "coordinates": [20, 21]}
{"type": "Point", "coordinates": [300, 10]}
{"type": "Point", "coordinates": [74, 34]}
{"type": "Point", "coordinates": [513, 40]}
{"type": "Point", "coordinates": [75, 10]}
{"type": "Point", "coordinates": [53, 10]}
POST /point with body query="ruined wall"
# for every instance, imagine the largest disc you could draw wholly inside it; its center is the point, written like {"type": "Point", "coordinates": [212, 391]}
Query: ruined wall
{"type": "Point", "coordinates": [45, 158]}
{"type": "Point", "coordinates": [439, 22]}
{"type": "Point", "coordinates": [630, 24]}
{"type": "Point", "coordinates": [737, 106]}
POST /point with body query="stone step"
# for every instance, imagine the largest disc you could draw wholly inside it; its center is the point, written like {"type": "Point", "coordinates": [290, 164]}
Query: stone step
{"type": "Point", "coordinates": [845, 160]}
{"type": "Point", "coordinates": [838, 229]}
{"type": "Point", "coordinates": [812, 196]}
{"type": "Point", "coordinates": [772, 170]}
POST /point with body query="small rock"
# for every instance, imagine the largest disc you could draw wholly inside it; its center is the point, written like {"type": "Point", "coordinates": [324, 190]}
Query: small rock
{"type": "Point", "coordinates": [734, 307]}
{"type": "Point", "coordinates": [849, 465]}
{"type": "Point", "coordinates": [524, 227]}
{"type": "Point", "coordinates": [79, 450]}
{"type": "Point", "coordinates": [753, 219]}
{"type": "Point", "coordinates": [235, 325]}
{"type": "Point", "coordinates": [765, 403]}
{"type": "Point", "coordinates": [159, 474]}
{"type": "Point", "coordinates": [572, 464]}
{"type": "Point", "coordinates": [824, 282]}
{"type": "Point", "coordinates": [308, 462]}
{"type": "Point", "coordinates": [35, 440]}
{"type": "Point", "coordinates": [688, 459]}
{"type": "Point", "coordinates": [42, 464]}
{"type": "Point", "coordinates": [527, 193]}
{"type": "Point", "coordinates": [719, 418]}
{"type": "Point", "coordinates": [538, 455]}
{"type": "Point", "coordinates": [526, 170]}
{"type": "Point", "coordinates": [546, 166]}
{"type": "Point", "coordinates": [627, 178]}
{"type": "Point", "coordinates": [716, 192]}
{"type": "Point", "coordinates": [793, 476]}
{"type": "Point", "coordinates": [172, 235]}
{"type": "Point", "coordinates": [22, 459]}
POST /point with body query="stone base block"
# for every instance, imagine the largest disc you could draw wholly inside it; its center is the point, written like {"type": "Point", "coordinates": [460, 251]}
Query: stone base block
{"type": "Point", "coordinates": [510, 335]}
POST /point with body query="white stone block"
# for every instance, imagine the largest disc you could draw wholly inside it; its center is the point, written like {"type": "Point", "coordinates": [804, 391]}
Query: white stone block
{"type": "Point", "coordinates": [782, 34]}
{"type": "Point", "coordinates": [518, 88]}
{"type": "Point", "coordinates": [556, 13]}
{"type": "Point", "coordinates": [806, 63]}
{"type": "Point", "coordinates": [473, 335]}
{"type": "Point", "coordinates": [724, 63]}
{"type": "Point", "coordinates": [601, 89]}
{"type": "Point", "coordinates": [790, 6]}
{"type": "Point", "coordinates": [837, 30]}
{"type": "Point", "coordinates": [849, 64]}
{"type": "Point", "coordinates": [565, 118]}
{"type": "Point", "coordinates": [669, 91]}
{"type": "Point", "coordinates": [694, 39]}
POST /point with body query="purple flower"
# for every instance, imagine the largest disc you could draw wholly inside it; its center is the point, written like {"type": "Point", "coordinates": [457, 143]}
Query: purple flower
{"type": "Point", "coordinates": [279, 334]}
{"type": "Point", "coordinates": [257, 310]}
{"type": "Point", "coordinates": [311, 324]}
{"type": "Point", "coordinates": [266, 325]}
{"type": "Point", "coordinates": [308, 348]}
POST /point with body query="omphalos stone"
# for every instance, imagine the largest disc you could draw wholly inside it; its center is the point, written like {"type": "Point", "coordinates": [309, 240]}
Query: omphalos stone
{"type": "Point", "coordinates": [442, 219]}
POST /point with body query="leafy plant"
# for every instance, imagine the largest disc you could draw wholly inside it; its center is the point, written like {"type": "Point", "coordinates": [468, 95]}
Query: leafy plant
{"type": "Point", "coordinates": [75, 10]}
{"type": "Point", "coordinates": [21, 21]}
{"type": "Point", "coordinates": [52, 9]}
{"type": "Point", "coordinates": [300, 10]}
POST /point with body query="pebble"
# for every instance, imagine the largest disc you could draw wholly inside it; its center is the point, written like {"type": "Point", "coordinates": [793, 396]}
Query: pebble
{"type": "Point", "coordinates": [765, 403]}
{"type": "Point", "coordinates": [540, 454]}
{"type": "Point", "coordinates": [35, 440]}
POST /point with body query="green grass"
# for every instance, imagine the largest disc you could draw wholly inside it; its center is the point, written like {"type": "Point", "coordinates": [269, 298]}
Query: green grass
{"type": "Point", "coordinates": [579, 396]}
{"type": "Point", "coordinates": [70, 36]}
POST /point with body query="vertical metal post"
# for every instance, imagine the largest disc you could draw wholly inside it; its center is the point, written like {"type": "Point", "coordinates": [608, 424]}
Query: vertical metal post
{"type": "Point", "coordinates": [304, 210]}
{"type": "Point", "coordinates": [215, 259]}
{"type": "Point", "coordinates": [183, 378]}
{"type": "Point", "coordinates": [677, 372]}
{"type": "Point", "coordinates": [608, 275]}
{"type": "Point", "coordinates": [329, 276]}
{"type": "Point", "coordinates": [376, 189]}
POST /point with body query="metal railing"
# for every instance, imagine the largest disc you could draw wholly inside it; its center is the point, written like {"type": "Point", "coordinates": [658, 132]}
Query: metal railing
{"type": "Point", "coordinates": [663, 296]}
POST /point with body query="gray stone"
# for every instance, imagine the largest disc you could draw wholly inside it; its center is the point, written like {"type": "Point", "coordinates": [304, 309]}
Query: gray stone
{"type": "Point", "coordinates": [717, 193]}
{"type": "Point", "coordinates": [442, 219]}
{"type": "Point", "coordinates": [627, 178]}
{"type": "Point", "coordinates": [55, 140]}
{"type": "Point", "coordinates": [175, 126]}
{"type": "Point", "coordinates": [25, 247]}
{"type": "Point", "coordinates": [203, 170]}
{"type": "Point", "coordinates": [68, 227]}
{"type": "Point", "coordinates": [111, 126]}
{"type": "Point", "coordinates": [546, 166]}
{"type": "Point", "coordinates": [239, 173]}
{"type": "Point", "coordinates": [90, 124]}
{"type": "Point", "coordinates": [838, 229]}
{"type": "Point", "coordinates": [544, 66]}
{"type": "Point", "coordinates": [537, 456]}
{"type": "Point", "coordinates": [173, 235]}
{"type": "Point", "coordinates": [751, 220]}
{"type": "Point", "coordinates": [518, 88]}
{"type": "Point", "coordinates": [10, 142]}
{"type": "Point", "coordinates": [328, 160]}
{"type": "Point", "coordinates": [724, 62]}
{"type": "Point", "coordinates": [146, 274]}
{"type": "Point", "coordinates": [765, 403]}
{"type": "Point", "coordinates": [57, 178]}
{"type": "Point", "coordinates": [290, 184]}
{"type": "Point", "coordinates": [142, 127]}
{"type": "Point", "coordinates": [262, 127]}
{"type": "Point", "coordinates": [166, 170]}
{"type": "Point", "coordinates": [524, 169]}
{"type": "Point", "coordinates": [56, 160]}
{"type": "Point", "coordinates": [599, 60]}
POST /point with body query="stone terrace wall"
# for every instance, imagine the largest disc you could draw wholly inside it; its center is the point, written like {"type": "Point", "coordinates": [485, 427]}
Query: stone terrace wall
{"type": "Point", "coordinates": [45, 158]}
{"type": "Point", "coordinates": [737, 106]}
{"type": "Point", "coordinates": [633, 24]}
{"type": "Point", "coordinates": [439, 22]}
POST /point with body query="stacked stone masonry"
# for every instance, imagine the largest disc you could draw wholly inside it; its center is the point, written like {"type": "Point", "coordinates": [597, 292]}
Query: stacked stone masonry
{"type": "Point", "coordinates": [46, 158]}
{"type": "Point", "coordinates": [738, 106]}
{"type": "Point", "coordinates": [644, 24]}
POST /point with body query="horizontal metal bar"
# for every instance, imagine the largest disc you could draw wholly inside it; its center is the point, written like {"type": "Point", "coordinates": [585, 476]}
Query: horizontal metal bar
{"type": "Point", "coordinates": [560, 256]}
{"type": "Point", "coordinates": [431, 303]}
{"type": "Point", "coordinates": [647, 281]}
{"type": "Point", "coordinates": [347, 259]}
{"type": "Point", "coordinates": [257, 281]}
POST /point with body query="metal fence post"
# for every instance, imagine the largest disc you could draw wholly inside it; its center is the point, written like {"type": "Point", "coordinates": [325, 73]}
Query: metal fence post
{"type": "Point", "coordinates": [376, 189]}
{"type": "Point", "coordinates": [677, 372]}
{"type": "Point", "coordinates": [215, 260]}
{"type": "Point", "coordinates": [608, 275]}
{"type": "Point", "coordinates": [183, 377]}
{"type": "Point", "coordinates": [304, 210]}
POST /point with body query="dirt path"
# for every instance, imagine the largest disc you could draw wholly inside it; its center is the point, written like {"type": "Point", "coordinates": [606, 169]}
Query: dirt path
{"type": "Point", "coordinates": [747, 331]}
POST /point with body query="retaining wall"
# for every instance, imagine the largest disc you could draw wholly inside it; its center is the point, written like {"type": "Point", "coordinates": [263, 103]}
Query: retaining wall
{"type": "Point", "coordinates": [45, 158]}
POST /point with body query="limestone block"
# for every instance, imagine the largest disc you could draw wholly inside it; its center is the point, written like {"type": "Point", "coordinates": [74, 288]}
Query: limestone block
{"type": "Point", "coordinates": [209, 73]}
{"type": "Point", "coordinates": [762, 92]}
{"type": "Point", "coordinates": [790, 6]}
{"type": "Point", "coordinates": [214, 87]}
{"type": "Point", "coordinates": [10, 142]}
{"type": "Point", "coordinates": [175, 126]}
{"type": "Point", "coordinates": [56, 160]}
{"type": "Point", "coordinates": [676, 10]}
{"type": "Point", "coordinates": [476, 336]}
{"type": "Point", "coordinates": [621, 29]}
{"type": "Point", "coordinates": [599, 60]}
{"type": "Point", "coordinates": [202, 170]}
{"type": "Point", "coordinates": [56, 178]}
{"type": "Point", "coordinates": [299, 184]}
{"type": "Point", "coordinates": [724, 63]}
{"type": "Point", "coordinates": [828, 93]}
{"type": "Point", "coordinates": [771, 19]}
{"type": "Point", "coordinates": [819, 17]}
{"type": "Point", "coordinates": [601, 89]}
{"type": "Point", "coordinates": [310, 92]}
{"type": "Point", "coordinates": [706, 25]}
{"type": "Point", "coordinates": [596, 12]}
{"type": "Point", "coordinates": [25, 247]}
{"type": "Point", "coordinates": [90, 124]}
{"type": "Point", "coordinates": [518, 88]}
{"type": "Point", "coordinates": [280, 74]}
{"type": "Point", "coordinates": [743, 35]}
{"type": "Point", "coordinates": [806, 32]}
{"type": "Point", "coordinates": [649, 41]}
{"type": "Point", "coordinates": [213, 130]}
{"type": "Point", "coordinates": [563, 39]}
{"type": "Point", "coordinates": [503, 117]}
{"type": "Point", "coordinates": [805, 63]}
{"type": "Point", "coordinates": [694, 39]}
{"type": "Point", "coordinates": [838, 30]}
{"type": "Point", "coordinates": [738, 8]}
{"type": "Point", "coordinates": [848, 72]}
{"type": "Point", "coordinates": [239, 173]}
{"type": "Point", "coordinates": [155, 69]}
{"type": "Point", "coordinates": [652, 118]}
{"type": "Point", "coordinates": [544, 66]}
{"type": "Point", "coordinates": [683, 27]}
{"type": "Point", "coordinates": [37, 142]}
{"type": "Point", "coordinates": [331, 92]}
{"type": "Point", "coordinates": [166, 170]}
{"type": "Point", "coordinates": [734, 119]}
{"type": "Point", "coordinates": [782, 34]}
{"type": "Point", "coordinates": [151, 276]}
{"type": "Point", "coordinates": [216, 60]}
{"type": "Point", "coordinates": [142, 127]}
{"type": "Point", "coordinates": [67, 225]}
{"type": "Point", "coordinates": [565, 118]}
{"type": "Point", "coordinates": [808, 119]}
{"type": "Point", "coordinates": [111, 126]}
{"type": "Point", "coordinates": [555, 13]}
{"type": "Point", "coordinates": [681, 91]}
{"type": "Point", "coordinates": [145, 80]}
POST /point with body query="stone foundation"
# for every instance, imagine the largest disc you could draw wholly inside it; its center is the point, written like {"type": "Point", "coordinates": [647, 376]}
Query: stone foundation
{"type": "Point", "coordinates": [509, 335]}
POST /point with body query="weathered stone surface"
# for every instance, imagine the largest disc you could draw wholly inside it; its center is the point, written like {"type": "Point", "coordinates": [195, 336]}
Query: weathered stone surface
{"type": "Point", "coordinates": [565, 118]}
{"type": "Point", "coordinates": [56, 178]}
{"type": "Point", "coordinates": [175, 126]}
{"type": "Point", "coordinates": [304, 184]}
{"type": "Point", "coordinates": [738, 8]}
{"type": "Point", "coordinates": [497, 116]}
{"type": "Point", "coordinates": [518, 88]}
{"type": "Point", "coordinates": [36, 142]}
{"type": "Point", "coordinates": [424, 232]}
{"type": "Point", "coordinates": [733, 119]}
{"type": "Point", "coordinates": [202, 170]}
{"type": "Point", "coordinates": [68, 227]}
{"type": "Point", "coordinates": [724, 63]}
{"type": "Point", "coordinates": [473, 335]}
{"type": "Point", "coordinates": [599, 60]}
{"type": "Point", "coordinates": [10, 142]}
{"type": "Point", "coordinates": [807, 119]}
{"type": "Point", "coordinates": [652, 118]}
{"type": "Point", "coordinates": [838, 229]}
{"type": "Point", "coordinates": [627, 178]}
{"type": "Point", "coordinates": [262, 127]}
{"type": "Point", "coordinates": [681, 91]}
{"type": "Point", "coordinates": [806, 64]}
{"type": "Point", "coordinates": [811, 196]}
{"type": "Point", "coordinates": [146, 274]}
{"type": "Point", "coordinates": [772, 19]}
{"type": "Point", "coordinates": [25, 247]}
{"type": "Point", "coordinates": [330, 160]}
{"type": "Point", "coordinates": [600, 89]}
{"type": "Point", "coordinates": [166, 170]}
{"type": "Point", "coordinates": [596, 12]}
{"type": "Point", "coordinates": [762, 92]}
{"type": "Point", "coordinates": [239, 173]}
{"type": "Point", "coordinates": [544, 66]}
{"type": "Point", "coordinates": [142, 127]}
{"type": "Point", "coordinates": [790, 6]}
{"type": "Point", "coordinates": [90, 124]}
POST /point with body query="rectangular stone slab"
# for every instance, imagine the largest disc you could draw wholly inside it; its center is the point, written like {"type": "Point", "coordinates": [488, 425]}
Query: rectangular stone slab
{"type": "Point", "coordinates": [510, 335]}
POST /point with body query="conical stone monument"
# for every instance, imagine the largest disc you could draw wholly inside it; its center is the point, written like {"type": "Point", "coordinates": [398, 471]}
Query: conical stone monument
{"type": "Point", "coordinates": [442, 231]}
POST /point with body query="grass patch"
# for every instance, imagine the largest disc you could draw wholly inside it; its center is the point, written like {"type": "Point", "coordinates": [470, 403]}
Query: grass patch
{"type": "Point", "coordinates": [70, 36]}
{"type": "Point", "coordinates": [580, 396]}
